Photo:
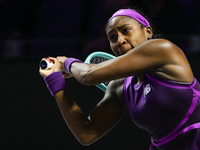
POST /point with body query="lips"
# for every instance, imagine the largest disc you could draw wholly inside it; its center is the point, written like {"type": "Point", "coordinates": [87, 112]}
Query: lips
{"type": "Point", "coordinates": [124, 49]}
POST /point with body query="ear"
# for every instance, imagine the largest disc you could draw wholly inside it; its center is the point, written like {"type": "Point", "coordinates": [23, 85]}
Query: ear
{"type": "Point", "coordinates": [149, 32]}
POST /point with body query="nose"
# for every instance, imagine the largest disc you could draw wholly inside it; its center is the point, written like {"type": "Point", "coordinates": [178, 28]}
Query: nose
{"type": "Point", "coordinates": [121, 40]}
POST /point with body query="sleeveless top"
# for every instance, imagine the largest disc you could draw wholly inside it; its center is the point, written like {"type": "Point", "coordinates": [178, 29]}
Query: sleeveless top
{"type": "Point", "coordinates": [169, 111]}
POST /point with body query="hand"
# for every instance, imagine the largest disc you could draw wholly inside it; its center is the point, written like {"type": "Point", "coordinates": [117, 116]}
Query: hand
{"type": "Point", "coordinates": [61, 59]}
{"type": "Point", "coordinates": [54, 68]}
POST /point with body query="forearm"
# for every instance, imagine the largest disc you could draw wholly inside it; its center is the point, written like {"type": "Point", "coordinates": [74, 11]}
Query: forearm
{"type": "Point", "coordinates": [72, 114]}
{"type": "Point", "coordinates": [102, 118]}
{"type": "Point", "coordinates": [87, 74]}
{"type": "Point", "coordinates": [80, 71]}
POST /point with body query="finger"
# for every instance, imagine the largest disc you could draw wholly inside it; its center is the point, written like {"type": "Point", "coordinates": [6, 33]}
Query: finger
{"type": "Point", "coordinates": [46, 69]}
{"type": "Point", "coordinates": [66, 76]}
{"type": "Point", "coordinates": [52, 59]}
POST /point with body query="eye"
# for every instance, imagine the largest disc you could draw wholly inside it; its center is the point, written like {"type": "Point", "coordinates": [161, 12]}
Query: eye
{"type": "Point", "coordinates": [126, 30]}
{"type": "Point", "coordinates": [112, 38]}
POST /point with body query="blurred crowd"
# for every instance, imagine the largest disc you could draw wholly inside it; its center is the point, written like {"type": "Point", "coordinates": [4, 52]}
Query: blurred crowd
{"type": "Point", "coordinates": [49, 27]}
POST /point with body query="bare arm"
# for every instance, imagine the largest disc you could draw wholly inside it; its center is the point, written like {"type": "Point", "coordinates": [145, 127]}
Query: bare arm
{"type": "Point", "coordinates": [101, 120]}
{"type": "Point", "coordinates": [103, 117]}
{"type": "Point", "coordinates": [159, 56]}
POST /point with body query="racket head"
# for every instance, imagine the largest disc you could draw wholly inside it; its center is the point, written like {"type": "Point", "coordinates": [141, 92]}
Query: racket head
{"type": "Point", "coordinates": [96, 58]}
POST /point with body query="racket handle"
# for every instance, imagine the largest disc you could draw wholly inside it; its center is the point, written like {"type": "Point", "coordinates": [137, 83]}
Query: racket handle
{"type": "Point", "coordinates": [45, 64]}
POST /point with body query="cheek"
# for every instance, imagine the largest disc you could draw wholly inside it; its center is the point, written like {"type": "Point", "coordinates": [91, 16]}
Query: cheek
{"type": "Point", "coordinates": [144, 36]}
{"type": "Point", "coordinates": [114, 49]}
{"type": "Point", "coordinates": [140, 38]}
{"type": "Point", "coordinates": [111, 46]}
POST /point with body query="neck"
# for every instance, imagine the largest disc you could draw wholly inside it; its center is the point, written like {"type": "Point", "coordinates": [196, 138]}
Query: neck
{"type": "Point", "coordinates": [139, 78]}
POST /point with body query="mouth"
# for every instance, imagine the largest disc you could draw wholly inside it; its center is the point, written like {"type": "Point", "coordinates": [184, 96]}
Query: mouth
{"type": "Point", "coordinates": [123, 50]}
{"type": "Point", "coordinates": [132, 47]}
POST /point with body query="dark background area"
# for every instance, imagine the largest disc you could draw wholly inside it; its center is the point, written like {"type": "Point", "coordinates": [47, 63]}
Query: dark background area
{"type": "Point", "coordinates": [29, 116]}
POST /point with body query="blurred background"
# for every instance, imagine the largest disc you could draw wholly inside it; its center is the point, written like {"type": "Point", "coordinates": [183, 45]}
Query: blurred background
{"type": "Point", "coordinates": [30, 30]}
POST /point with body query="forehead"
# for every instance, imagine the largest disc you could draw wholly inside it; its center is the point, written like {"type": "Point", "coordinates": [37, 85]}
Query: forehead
{"type": "Point", "coordinates": [120, 21]}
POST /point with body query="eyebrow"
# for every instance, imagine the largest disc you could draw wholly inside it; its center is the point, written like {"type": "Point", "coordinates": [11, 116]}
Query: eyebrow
{"type": "Point", "coordinates": [118, 28]}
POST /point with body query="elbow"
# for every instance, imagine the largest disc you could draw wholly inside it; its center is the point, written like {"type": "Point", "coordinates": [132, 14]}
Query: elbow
{"type": "Point", "coordinates": [87, 141]}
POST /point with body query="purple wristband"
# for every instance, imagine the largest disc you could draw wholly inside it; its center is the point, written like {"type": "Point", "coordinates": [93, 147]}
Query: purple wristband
{"type": "Point", "coordinates": [68, 62]}
{"type": "Point", "coordinates": [55, 82]}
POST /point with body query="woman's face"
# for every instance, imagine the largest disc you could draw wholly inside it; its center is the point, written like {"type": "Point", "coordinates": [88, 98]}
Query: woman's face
{"type": "Point", "coordinates": [125, 33]}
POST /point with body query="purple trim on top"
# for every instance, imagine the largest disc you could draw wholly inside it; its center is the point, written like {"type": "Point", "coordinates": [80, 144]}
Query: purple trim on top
{"type": "Point", "coordinates": [137, 86]}
{"type": "Point", "coordinates": [168, 83]}
{"type": "Point", "coordinates": [190, 127]}
{"type": "Point", "coordinates": [171, 84]}
{"type": "Point", "coordinates": [124, 95]}
{"type": "Point", "coordinates": [171, 135]}
{"type": "Point", "coordinates": [175, 132]}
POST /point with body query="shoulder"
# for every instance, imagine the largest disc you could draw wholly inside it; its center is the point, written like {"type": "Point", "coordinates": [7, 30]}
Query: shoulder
{"type": "Point", "coordinates": [159, 41]}
{"type": "Point", "coordinates": [161, 45]}
{"type": "Point", "coordinates": [173, 62]}
{"type": "Point", "coordinates": [115, 88]}
{"type": "Point", "coordinates": [162, 51]}
{"type": "Point", "coordinates": [157, 50]}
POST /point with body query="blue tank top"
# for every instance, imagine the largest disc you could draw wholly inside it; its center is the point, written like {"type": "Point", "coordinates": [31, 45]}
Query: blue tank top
{"type": "Point", "coordinates": [168, 110]}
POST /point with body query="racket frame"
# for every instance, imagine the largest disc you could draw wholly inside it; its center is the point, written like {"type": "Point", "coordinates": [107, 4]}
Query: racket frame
{"type": "Point", "coordinates": [99, 54]}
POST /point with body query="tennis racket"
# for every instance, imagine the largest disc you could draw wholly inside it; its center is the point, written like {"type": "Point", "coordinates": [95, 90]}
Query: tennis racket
{"type": "Point", "coordinates": [96, 58]}
{"type": "Point", "coordinates": [93, 58]}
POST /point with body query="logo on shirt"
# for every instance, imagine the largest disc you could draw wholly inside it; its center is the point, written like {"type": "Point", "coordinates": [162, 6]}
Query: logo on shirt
{"type": "Point", "coordinates": [147, 89]}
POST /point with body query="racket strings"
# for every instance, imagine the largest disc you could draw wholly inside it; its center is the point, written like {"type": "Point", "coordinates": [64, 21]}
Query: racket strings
{"type": "Point", "coordinates": [97, 60]}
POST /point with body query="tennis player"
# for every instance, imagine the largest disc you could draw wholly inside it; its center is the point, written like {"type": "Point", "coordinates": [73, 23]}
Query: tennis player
{"type": "Point", "coordinates": [151, 78]}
